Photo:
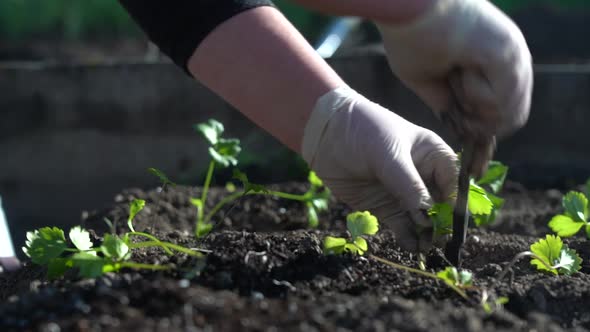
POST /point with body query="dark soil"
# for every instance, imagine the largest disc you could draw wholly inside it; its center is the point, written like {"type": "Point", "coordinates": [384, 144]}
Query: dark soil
{"type": "Point", "coordinates": [267, 272]}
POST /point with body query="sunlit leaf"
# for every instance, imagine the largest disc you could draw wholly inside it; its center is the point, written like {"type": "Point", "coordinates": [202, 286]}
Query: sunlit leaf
{"type": "Point", "coordinates": [361, 223]}
{"type": "Point", "coordinates": [134, 208]}
{"type": "Point", "coordinates": [115, 248]}
{"type": "Point", "coordinates": [564, 225]}
{"type": "Point", "coordinates": [334, 245]}
{"type": "Point", "coordinates": [211, 130]}
{"type": "Point", "coordinates": [80, 238]}
{"type": "Point", "coordinates": [45, 244]}
{"type": "Point", "coordinates": [576, 205]}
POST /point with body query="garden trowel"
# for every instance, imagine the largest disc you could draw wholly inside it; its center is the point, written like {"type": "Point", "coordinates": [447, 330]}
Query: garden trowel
{"type": "Point", "coordinates": [475, 149]}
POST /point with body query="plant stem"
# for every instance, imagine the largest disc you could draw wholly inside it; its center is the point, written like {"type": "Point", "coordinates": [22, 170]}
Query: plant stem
{"type": "Point", "coordinates": [517, 258]}
{"type": "Point", "coordinates": [207, 182]}
{"type": "Point", "coordinates": [134, 265]}
{"type": "Point", "coordinates": [153, 238]}
{"type": "Point", "coordinates": [221, 203]}
{"type": "Point", "coordinates": [420, 272]}
{"type": "Point", "coordinates": [165, 245]}
{"type": "Point", "coordinates": [280, 194]}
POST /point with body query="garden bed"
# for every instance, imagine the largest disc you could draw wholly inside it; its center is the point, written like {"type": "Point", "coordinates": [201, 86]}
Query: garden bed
{"type": "Point", "coordinates": [266, 271]}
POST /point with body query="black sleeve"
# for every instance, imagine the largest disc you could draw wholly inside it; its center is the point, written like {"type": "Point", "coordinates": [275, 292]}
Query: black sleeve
{"type": "Point", "coordinates": [177, 27]}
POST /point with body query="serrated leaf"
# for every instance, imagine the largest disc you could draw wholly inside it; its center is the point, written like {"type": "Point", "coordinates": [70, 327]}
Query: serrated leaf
{"type": "Point", "coordinates": [115, 248]}
{"type": "Point", "coordinates": [552, 251]}
{"type": "Point", "coordinates": [80, 238]}
{"type": "Point", "coordinates": [334, 245]}
{"type": "Point", "coordinates": [453, 277]}
{"type": "Point", "coordinates": [569, 261]}
{"type": "Point", "coordinates": [494, 177]}
{"type": "Point", "coordinates": [163, 178]}
{"type": "Point", "coordinates": [211, 130]}
{"type": "Point", "coordinates": [564, 225]}
{"type": "Point", "coordinates": [314, 179]}
{"type": "Point", "coordinates": [441, 215]}
{"type": "Point", "coordinates": [479, 203]}
{"type": "Point", "coordinates": [45, 244]}
{"type": "Point", "coordinates": [361, 223]}
{"type": "Point", "coordinates": [89, 266]}
{"type": "Point", "coordinates": [57, 267]}
{"type": "Point", "coordinates": [361, 244]}
{"type": "Point", "coordinates": [312, 215]}
{"type": "Point", "coordinates": [576, 205]}
{"type": "Point", "coordinates": [225, 152]}
{"type": "Point", "coordinates": [134, 208]}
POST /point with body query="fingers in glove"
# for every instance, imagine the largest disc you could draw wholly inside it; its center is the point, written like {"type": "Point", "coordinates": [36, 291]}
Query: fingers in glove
{"type": "Point", "coordinates": [9, 264]}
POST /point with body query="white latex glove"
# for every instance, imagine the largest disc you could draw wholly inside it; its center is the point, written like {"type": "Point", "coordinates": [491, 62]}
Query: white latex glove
{"type": "Point", "coordinates": [476, 40]}
{"type": "Point", "coordinates": [372, 159]}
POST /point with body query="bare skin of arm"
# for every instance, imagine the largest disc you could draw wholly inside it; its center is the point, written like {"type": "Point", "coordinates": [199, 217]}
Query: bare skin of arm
{"type": "Point", "coordinates": [261, 64]}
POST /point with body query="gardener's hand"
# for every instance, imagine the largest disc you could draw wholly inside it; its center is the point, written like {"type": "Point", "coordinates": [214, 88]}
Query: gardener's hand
{"type": "Point", "coordinates": [477, 40]}
{"type": "Point", "coordinates": [8, 264]}
{"type": "Point", "coordinates": [374, 160]}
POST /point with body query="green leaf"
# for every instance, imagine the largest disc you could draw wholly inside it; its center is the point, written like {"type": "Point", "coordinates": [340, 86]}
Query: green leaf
{"type": "Point", "coordinates": [334, 245]}
{"type": "Point", "coordinates": [576, 205]}
{"type": "Point", "coordinates": [197, 202]}
{"type": "Point", "coordinates": [89, 266]}
{"type": "Point", "coordinates": [134, 208]}
{"type": "Point", "coordinates": [314, 180]}
{"type": "Point", "coordinates": [211, 130]}
{"type": "Point", "coordinates": [225, 152]}
{"type": "Point", "coordinates": [479, 203]}
{"type": "Point", "coordinates": [57, 267]}
{"type": "Point", "coordinates": [588, 230]}
{"type": "Point", "coordinates": [353, 249]}
{"type": "Point", "coordinates": [312, 215]}
{"type": "Point", "coordinates": [80, 238]}
{"type": "Point", "coordinates": [554, 253]}
{"type": "Point", "coordinates": [361, 244]}
{"type": "Point", "coordinates": [203, 229]}
{"type": "Point", "coordinates": [163, 178]}
{"type": "Point", "coordinates": [569, 261]}
{"type": "Point", "coordinates": [361, 223]}
{"type": "Point", "coordinates": [45, 244]}
{"type": "Point", "coordinates": [565, 226]}
{"type": "Point", "coordinates": [441, 215]}
{"type": "Point", "coordinates": [453, 277]}
{"type": "Point", "coordinates": [495, 176]}
{"type": "Point", "coordinates": [115, 248]}
{"type": "Point", "coordinates": [248, 186]}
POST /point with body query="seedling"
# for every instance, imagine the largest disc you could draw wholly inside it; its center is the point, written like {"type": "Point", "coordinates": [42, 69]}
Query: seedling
{"type": "Point", "coordinates": [452, 276]}
{"type": "Point", "coordinates": [358, 224]}
{"type": "Point", "coordinates": [483, 204]}
{"type": "Point", "coordinates": [223, 152]}
{"type": "Point", "coordinates": [549, 255]}
{"type": "Point", "coordinates": [575, 217]}
{"type": "Point", "coordinates": [47, 246]}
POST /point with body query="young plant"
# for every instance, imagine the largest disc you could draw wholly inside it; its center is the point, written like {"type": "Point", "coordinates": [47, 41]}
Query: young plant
{"type": "Point", "coordinates": [47, 246]}
{"type": "Point", "coordinates": [575, 217]}
{"type": "Point", "coordinates": [359, 224]}
{"type": "Point", "coordinates": [483, 204]}
{"type": "Point", "coordinates": [549, 255]}
{"type": "Point", "coordinates": [223, 152]}
{"type": "Point", "coordinates": [452, 276]}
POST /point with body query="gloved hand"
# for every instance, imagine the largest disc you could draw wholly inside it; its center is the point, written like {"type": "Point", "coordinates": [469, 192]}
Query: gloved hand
{"type": "Point", "coordinates": [372, 159]}
{"type": "Point", "coordinates": [476, 40]}
{"type": "Point", "coordinates": [8, 264]}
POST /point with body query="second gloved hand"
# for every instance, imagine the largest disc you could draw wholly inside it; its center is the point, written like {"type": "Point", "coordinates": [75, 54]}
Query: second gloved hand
{"type": "Point", "coordinates": [372, 159]}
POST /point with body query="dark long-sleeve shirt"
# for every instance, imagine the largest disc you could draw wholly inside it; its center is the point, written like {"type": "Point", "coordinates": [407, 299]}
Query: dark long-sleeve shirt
{"type": "Point", "coordinates": [177, 27]}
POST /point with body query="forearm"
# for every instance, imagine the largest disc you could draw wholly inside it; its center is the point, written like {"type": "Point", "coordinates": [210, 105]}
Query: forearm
{"type": "Point", "coordinates": [259, 63]}
{"type": "Point", "coordinates": [389, 11]}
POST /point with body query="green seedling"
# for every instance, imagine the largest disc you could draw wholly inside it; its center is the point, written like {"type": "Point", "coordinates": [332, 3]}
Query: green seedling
{"type": "Point", "coordinates": [359, 224]}
{"type": "Point", "coordinates": [48, 247]}
{"type": "Point", "coordinates": [223, 152]}
{"type": "Point", "coordinates": [575, 217]}
{"type": "Point", "coordinates": [452, 276]}
{"type": "Point", "coordinates": [549, 255]}
{"type": "Point", "coordinates": [483, 204]}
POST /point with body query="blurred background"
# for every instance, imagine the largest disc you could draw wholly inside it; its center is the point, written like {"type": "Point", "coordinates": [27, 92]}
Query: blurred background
{"type": "Point", "coordinates": [87, 104]}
